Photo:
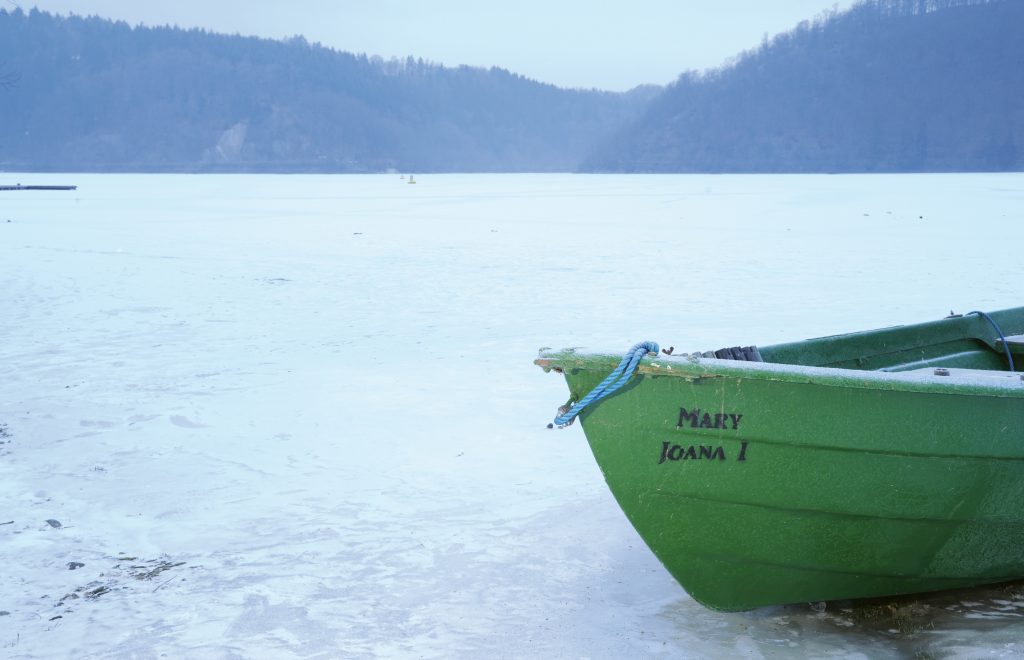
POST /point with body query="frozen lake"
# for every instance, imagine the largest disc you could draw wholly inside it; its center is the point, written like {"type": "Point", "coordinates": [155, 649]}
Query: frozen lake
{"type": "Point", "coordinates": [297, 416]}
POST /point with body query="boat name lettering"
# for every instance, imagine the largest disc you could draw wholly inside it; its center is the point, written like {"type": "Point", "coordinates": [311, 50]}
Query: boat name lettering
{"type": "Point", "coordinates": [708, 420]}
{"type": "Point", "coordinates": [671, 452]}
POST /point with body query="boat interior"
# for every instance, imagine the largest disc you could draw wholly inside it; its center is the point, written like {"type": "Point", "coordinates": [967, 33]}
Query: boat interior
{"type": "Point", "coordinates": [975, 341]}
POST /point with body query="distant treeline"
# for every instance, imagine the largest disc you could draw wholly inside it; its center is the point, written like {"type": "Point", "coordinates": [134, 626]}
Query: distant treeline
{"type": "Point", "coordinates": [91, 94]}
{"type": "Point", "coordinates": [887, 86]}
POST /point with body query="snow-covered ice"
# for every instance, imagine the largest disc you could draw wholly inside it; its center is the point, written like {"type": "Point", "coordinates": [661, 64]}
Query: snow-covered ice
{"type": "Point", "coordinates": [297, 416]}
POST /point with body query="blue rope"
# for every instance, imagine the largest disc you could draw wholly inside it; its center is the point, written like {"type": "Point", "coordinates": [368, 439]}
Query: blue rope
{"type": "Point", "coordinates": [609, 385]}
{"type": "Point", "coordinates": [1009, 356]}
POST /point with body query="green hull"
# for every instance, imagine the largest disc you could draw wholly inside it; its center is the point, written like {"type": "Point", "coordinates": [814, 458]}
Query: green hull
{"type": "Point", "coordinates": [759, 483]}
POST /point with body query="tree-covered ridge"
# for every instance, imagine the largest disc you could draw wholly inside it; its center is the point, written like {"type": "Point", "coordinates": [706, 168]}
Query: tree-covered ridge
{"type": "Point", "coordinates": [889, 85]}
{"type": "Point", "coordinates": [93, 94]}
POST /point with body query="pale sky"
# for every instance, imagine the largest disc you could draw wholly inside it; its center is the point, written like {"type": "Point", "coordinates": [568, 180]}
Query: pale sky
{"type": "Point", "coordinates": [605, 44]}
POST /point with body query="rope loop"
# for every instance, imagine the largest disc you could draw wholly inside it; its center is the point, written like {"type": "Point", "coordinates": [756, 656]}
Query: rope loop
{"type": "Point", "coordinates": [615, 380]}
{"type": "Point", "coordinates": [1006, 348]}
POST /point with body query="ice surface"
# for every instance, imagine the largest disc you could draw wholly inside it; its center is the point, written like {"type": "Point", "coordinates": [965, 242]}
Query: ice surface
{"type": "Point", "coordinates": [296, 416]}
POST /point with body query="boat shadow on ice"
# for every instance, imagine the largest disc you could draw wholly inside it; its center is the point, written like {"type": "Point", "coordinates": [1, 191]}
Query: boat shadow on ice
{"type": "Point", "coordinates": [974, 607]}
{"type": "Point", "coordinates": [931, 625]}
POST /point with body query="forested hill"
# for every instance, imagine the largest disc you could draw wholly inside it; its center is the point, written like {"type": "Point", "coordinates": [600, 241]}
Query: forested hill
{"type": "Point", "coordinates": [891, 85]}
{"type": "Point", "coordinates": [88, 94]}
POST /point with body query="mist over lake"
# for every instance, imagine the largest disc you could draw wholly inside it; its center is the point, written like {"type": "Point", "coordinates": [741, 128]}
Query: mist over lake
{"type": "Point", "coordinates": [884, 86]}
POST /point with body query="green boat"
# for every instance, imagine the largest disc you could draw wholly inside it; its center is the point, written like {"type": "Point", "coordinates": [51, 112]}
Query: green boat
{"type": "Point", "coordinates": [860, 465]}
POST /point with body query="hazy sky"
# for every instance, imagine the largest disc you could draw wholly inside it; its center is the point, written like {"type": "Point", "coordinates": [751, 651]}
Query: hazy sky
{"type": "Point", "coordinates": [607, 44]}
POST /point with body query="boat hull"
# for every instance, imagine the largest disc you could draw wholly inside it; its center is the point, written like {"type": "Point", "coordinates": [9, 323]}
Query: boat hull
{"type": "Point", "coordinates": [757, 485]}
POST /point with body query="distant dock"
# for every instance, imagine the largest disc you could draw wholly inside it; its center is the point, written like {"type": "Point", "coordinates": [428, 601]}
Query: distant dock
{"type": "Point", "coordinates": [21, 187]}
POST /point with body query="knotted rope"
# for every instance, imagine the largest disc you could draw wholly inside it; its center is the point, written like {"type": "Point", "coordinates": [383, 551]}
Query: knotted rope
{"type": "Point", "coordinates": [608, 386]}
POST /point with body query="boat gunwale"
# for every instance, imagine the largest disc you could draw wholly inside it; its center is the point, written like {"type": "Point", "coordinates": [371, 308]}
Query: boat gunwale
{"type": "Point", "coordinates": [691, 367]}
